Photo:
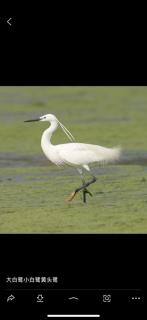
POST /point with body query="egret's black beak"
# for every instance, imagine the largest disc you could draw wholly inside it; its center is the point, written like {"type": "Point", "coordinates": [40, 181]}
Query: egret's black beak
{"type": "Point", "coordinates": [32, 120]}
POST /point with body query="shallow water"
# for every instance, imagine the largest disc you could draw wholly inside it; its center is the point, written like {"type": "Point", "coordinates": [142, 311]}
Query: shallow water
{"type": "Point", "coordinates": [8, 159]}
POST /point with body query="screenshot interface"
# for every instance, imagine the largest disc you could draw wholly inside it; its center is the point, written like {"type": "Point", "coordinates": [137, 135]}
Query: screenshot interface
{"type": "Point", "coordinates": [73, 177]}
{"type": "Point", "coordinates": [43, 296]}
{"type": "Point", "coordinates": [76, 280]}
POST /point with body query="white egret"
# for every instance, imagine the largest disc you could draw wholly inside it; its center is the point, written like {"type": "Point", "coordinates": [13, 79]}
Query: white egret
{"type": "Point", "coordinates": [79, 155]}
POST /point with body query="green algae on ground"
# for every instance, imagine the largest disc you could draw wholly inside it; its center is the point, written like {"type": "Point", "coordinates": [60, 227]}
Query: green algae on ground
{"type": "Point", "coordinates": [119, 203]}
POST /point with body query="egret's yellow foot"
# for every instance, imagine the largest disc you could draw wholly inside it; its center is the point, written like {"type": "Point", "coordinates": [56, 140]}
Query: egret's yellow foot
{"type": "Point", "coordinates": [70, 198]}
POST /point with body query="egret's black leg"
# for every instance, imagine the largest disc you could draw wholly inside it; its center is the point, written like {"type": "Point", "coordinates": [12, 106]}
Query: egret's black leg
{"type": "Point", "coordinates": [85, 191]}
{"type": "Point", "coordinates": [83, 187]}
{"type": "Point", "coordinates": [84, 194]}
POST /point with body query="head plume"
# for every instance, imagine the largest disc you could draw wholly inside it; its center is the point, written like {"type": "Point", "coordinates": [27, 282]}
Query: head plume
{"type": "Point", "coordinates": [67, 132]}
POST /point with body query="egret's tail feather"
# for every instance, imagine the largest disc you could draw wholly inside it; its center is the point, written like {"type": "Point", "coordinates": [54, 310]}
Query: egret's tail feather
{"type": "Point", "coordinates": [113, 154]}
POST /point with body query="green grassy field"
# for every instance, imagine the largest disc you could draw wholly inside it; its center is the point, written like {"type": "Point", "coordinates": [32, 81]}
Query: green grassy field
{"type": "Point", "coordinates": [33, 191]}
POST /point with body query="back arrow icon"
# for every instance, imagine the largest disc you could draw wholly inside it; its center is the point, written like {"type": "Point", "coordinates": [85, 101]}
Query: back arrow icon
{"type": "Point", "coordinates": [8, 21]}
{"type": "Point", "coordinates": [10, 298]}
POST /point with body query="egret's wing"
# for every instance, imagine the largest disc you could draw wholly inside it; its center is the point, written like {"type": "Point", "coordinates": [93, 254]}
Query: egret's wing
{"type": "Point", "coordinates": [80, 153]}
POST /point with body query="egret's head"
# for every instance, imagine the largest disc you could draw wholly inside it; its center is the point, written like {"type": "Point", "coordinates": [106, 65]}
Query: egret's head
{"type": "Point", "coordinates": [47, 117]}
{"type": "Point", "coordinates": [53, 120]}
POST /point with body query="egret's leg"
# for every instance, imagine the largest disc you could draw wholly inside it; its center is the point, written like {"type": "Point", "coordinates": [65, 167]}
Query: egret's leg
{"type": "Point", "coordinates": [85, 190]}
{"type": "Point", "coordinates": [84, 194]}
{"type": "Point", "coordinates": [83, 181]}
{"type": "Point", "coordinates": [83, 187]}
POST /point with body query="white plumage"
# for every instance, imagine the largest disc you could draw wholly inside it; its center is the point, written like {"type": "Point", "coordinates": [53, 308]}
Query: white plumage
{"type": "Point", "coordinates": [80, 154]}
{"type": "Point", "coordinates": [75, 154]}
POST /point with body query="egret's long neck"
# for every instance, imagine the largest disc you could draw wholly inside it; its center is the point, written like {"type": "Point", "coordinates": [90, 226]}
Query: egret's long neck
{"type": "Point", "coordinates": [46, 137]}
